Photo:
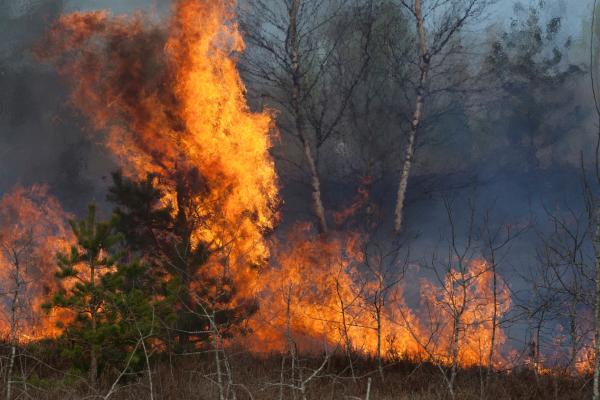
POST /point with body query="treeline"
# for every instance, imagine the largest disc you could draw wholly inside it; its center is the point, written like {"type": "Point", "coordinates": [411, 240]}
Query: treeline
{"type": "Point", "coordinates": [405, 101]}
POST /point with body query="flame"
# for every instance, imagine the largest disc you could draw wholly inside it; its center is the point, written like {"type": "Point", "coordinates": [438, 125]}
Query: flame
{"type": "Point", "coordinates": [465, 301]}
{"type": "Point", "coordinates": [173, 102]}
{"type": "Point", "coordinates": [33, 228]}
{"type": "Point", "coordinates": [584, 363]}
{"type": "Point", "coordinates": [304, 295]}
{"type": "Point", "coordinates": [320, 292]}
{"type": "Point", "coordinates": [360, 201]}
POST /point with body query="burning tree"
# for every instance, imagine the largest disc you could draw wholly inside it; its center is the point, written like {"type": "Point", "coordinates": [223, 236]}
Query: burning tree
{"type": "Point", "coordinates": [32, 230]}
{"type": "Point", "coordinates": [181, 116]}
{"type": "Point", "coordinates": [164, 235]}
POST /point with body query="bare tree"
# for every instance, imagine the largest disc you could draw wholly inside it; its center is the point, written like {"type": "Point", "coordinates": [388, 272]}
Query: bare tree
{"type": "Point", "coordinates": [384, 269]}
{"type": "Point", "coordinates": [32, 229]}
{"type": "Point", "coordinates": [292, 59]}
{"type": "Point", "coordinates": [564, 255]}
{"type": "Point", "coordinates": [496, 240]}
{"type": "Point", "coordinates": [456, 281]}
{"type": "Point", "coordinates": [434, 42]}
{"type": "Point", "coordinates": [299, 375]}
{"type": "Point", "coordinates": [464, 305]}
{"type": "Point", "coordinates": [442, 327]}
{"type": "Point", "coordinates": [18, 254]}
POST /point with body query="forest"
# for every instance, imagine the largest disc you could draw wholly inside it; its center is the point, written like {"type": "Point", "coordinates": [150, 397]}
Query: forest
{"type": "Point", "coordinates": [300, 199]}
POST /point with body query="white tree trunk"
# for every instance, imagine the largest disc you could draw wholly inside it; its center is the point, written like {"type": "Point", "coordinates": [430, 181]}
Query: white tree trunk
{"type": "Point", "coordinates": [409, 151]}
{"type": "Point", "coordinates": [315, 180]}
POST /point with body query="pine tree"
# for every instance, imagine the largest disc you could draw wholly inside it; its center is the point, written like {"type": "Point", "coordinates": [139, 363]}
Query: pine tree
{"type": "Point", "coordinates": [84, 292]}
{"type": "Point", "coordinates": [163, 234]}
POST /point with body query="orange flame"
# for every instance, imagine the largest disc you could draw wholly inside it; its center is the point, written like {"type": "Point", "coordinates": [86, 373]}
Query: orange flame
{"type": "Point", "coordinates": [33, 228]}
{"type": "Point", "coordinates": [176, 102]}
{"type": "Point", "coordinates": [320, 292]}
{"type": "Point", "coordinates": [465, 302]}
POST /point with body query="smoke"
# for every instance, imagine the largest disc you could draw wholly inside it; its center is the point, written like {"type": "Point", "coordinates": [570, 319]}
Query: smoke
{"type": "Point", "coordinates": [43, 139]}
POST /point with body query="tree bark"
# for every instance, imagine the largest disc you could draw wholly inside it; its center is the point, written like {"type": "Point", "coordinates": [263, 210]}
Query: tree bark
{"type": "Point", "coordinates": [348, 345]}
{"type": "Point", "coordinates": [315, 180]}
{"type": "Point", "coordinates": [455, 345]}
{"type": "Point", "coordinates": [379, 358]}
{"type": "Point", "coordinates": [409, 151]}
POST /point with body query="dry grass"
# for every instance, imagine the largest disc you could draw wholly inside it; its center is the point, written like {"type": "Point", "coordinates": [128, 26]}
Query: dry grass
{"type": "Point", "coordinates": [258, 378]}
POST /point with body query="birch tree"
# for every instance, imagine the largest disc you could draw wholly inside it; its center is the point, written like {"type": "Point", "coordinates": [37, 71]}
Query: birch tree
{"type": "Point", "coordinates": [293, 61]}
{"type": "Point", "coordinates": [17, 253]}
{"type": "Point", "coordinates": [437, 25]}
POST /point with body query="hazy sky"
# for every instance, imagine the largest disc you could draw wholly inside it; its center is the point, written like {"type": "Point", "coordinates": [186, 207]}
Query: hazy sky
{"type": "Point", "coordinates": [572, 10]}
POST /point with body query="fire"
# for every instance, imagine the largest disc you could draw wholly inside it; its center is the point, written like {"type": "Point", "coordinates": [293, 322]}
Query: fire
{"type": "Point", "coordinates": [585, 360]}
{"type": "Point", "coordinates": [308, 291]}
{"type": "Point", "coordinates": [169, 100]}
{"type": "Point", "coordinates": [174, 102]}
{"type": "Point", "coordinates": [320, 291]}
{"type": "Point", "coordinates": [33, 228]}
{"type": "Point", "coordinates": [465, 301]}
